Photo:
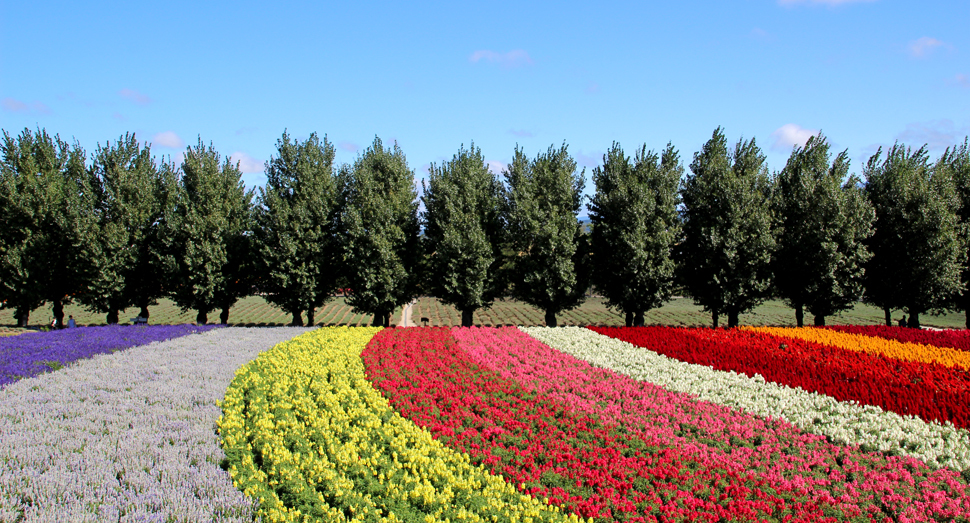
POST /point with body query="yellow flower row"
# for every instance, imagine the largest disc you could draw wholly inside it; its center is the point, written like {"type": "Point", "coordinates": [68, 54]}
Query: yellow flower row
{"type": "Point", "coordinates": [308, 437]}
{"type": "Point", "coordinates": [872, 345]}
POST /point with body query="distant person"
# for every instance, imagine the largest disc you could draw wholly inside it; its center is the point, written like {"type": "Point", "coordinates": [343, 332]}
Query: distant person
{"type": "Point", "coordinates": [902, 322]}
{"type": "Point", "coordinates": [70, 322]}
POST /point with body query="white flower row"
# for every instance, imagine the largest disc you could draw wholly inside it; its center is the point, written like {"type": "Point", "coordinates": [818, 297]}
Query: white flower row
{"type": "Point", "coordinates": [844, 422]}
{"type": "Point", "coordinates": [128, 436]}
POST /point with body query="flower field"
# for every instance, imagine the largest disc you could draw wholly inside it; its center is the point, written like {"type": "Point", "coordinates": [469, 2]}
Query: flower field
{"type": "Point", "coordinates": [655, 424]}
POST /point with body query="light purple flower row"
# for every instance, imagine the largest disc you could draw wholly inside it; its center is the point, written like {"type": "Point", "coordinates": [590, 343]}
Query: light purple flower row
{"type": "Point", "coordinates": [128, 436]}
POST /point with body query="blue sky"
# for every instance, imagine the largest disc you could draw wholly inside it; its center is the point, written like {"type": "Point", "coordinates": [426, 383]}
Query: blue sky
{"type": "Point", "coordinates": [434, 76]}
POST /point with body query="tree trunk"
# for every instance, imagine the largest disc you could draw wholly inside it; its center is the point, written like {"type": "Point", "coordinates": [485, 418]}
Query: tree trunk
{"type": "Point", "coordinates": [58, 314]}
{"type": "Point", "coordinates": [224, 316]}
{"type": "Point", "coordinates": [913, 319]}
{"type": "Point", "coordinates": [732, 318]}
{"type": "Point", "coordinates": [819, 320]}
{"type": "Point", "coordinates": [968, 318]}
{"type": "Point", "coordinates": [112, 318]}
{"type": "Point", "coordinates": [297, 320]}
{"type": "Point", "coordinates": [468, 318]}
{"type": "Point", "coordinates": [380, 320]}
{"type": "Point", "coordinates": [889, 317]}
{"type": "Point", "coordinates": [310, 316]}
{"type": "Point", "coordinates": [144, 312]}
{"type": "Point", "coordinates": [629, 319]}
{"type": "Point", "coordinates": [551, 319]}
{"type": "Point", "coordinates": [22, 317]}
{"type": "Point", "coordinates": [638, 319]}
{"type": "Point", "coordinates": [714, 317]}
{"type": "Point", "coordinates": [799, 315]}
{"type": "Point", "coordinates": [202, 317]}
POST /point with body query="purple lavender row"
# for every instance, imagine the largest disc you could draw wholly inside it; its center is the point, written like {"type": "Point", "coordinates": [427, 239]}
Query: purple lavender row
{"type": "Point", "coordinates": [129, 436]}
{"type": "Point", "coordinates": [33, 353]}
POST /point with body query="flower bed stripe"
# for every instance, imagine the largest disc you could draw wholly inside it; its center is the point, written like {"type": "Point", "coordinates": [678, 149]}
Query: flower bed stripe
{"type": "Point", "coordinates": [126, 436]}
{"type": "Point", "coordinates": [33, 353]}
{"type": "Point", "coordinates": [933, 392]}
{"type": "Point", "coordinates": [955, 339]}
{"type": "Point", "coordinates": [311, 439]}
{"type": "Point", "coordinates": [855, 342]}
{"type": "Point", "coordinates": [593, 467]}
{"type": "Point", "coordinates": [774, 449]}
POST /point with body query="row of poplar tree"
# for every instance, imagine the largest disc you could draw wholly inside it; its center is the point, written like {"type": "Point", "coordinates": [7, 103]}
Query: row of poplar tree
{"type": "Point", "coordinates": [127, 229]}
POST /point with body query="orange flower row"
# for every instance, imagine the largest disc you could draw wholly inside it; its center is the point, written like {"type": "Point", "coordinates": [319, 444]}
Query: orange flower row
{"type": "Point", "coordinates": [879, 346]}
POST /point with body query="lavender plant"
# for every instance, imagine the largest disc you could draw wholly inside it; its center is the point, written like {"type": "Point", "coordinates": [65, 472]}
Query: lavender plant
{"type": "Point", "coordinates": [35, 352]}
{"type": "Point", "coordinates": [128, 436]}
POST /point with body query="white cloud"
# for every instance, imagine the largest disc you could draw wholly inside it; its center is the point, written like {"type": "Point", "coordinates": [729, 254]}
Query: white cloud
{"type": "Point", "coordinates": [589, 160]}
{"type": "Point", "coordinates": [16, 106]}
{"type": "Point", "coordinates": [921, 47]}
{"type": "Point", "coordinates": [821, 2]}
{"type": "Point", "coordinates": [790, 135]}
{"type": "Point", "coordinates": [247, 164]}
{"type": "Point", "coordinates": [135, 96]}
{"type": "Point", "coordinates": [168, 139]}
{"type": "Point", "coordinates": [496, 167]}
{"type": "Point", "coordinates": [349, 146]}
{"type": "Point", "coordinates": [935, 134]}
{"type": "Point", "coordinates": [514, 58]}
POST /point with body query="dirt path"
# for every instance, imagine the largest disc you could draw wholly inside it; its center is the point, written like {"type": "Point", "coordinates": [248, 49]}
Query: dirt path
{"type": "Point", "coordinates": [406, 315]}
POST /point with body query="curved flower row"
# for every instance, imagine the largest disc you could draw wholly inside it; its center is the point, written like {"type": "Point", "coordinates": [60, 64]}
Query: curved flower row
{"type": "Point", "coordinates": [917, 352]}
{"type": "Point", "coordinates": [33, 353]}
{"type": "Point", "coordinates": [933, 392]}
{"type": "Point", "coordinates": [858, 480]}
{"type": "Point", "coordinates": [309, 437]}
{"type": "Point", "coordinates": [956, 339]}
{"type": "Point", "coordinates": [127, 436]}
{"type": "Point", "coordinates": [577, 460]}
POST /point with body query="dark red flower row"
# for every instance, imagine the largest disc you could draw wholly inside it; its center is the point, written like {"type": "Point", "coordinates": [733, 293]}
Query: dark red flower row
{"type": "Point", "coordinates": [955, 339]}
{"type": "Point", "coordinates": [577, 461]}
{"type": "Point", "coordinates": [930, 391]}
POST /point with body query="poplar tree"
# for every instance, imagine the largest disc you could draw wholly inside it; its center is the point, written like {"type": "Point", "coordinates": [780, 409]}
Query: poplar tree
{"type": "Point", "coordinates": [635, 226]}
{"type": "Point", "coordinates": [725, 255]}
{"type": "Point", "coordinates": [463, 233]}
{"type": "Point", "coordinates": [823, 221]}
{"type": "Point", "coordinates": [128, 185]}
{"type": "Point", "coordinates": [956, 161]}
{"type": "Point", "coordinates": [380, 228]}
{"type": "Point", "coordinates": [46, 209]}
{"type": "Point", "coordinates": [916, 250]}
{"type": "Point", "coordinates": [295, 233]}
{"type": "Point", "coordinates": [213, 219]}
{"type": "Point", "coordinates": [550, 268]}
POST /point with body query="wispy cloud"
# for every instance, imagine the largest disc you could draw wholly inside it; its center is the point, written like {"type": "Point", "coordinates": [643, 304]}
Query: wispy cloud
{"type": "Point", "coordinates": [349, 146]}
{"type": "Point", "coordinates": [592, 88]}
{"type": "Point", "coordinates": [962, 80]}
{"type": "Point", "coordinates": [247, 164]}
{"type": "Point", "coordinates": [760, 35]}
{"type": "Point", "coordinates": [168, 139]}
{"type": "Point", "coordinates": [135, 96]}
{"type": "Point", "coordinates": [496, 167]}
{"type": "Point", "coordinates": [935, 134]}
{"type": "Point", "coordinates": [16, 106]}
{"type": "Point", "coordinates": [922, 47]}
{"type": "Point", "coordinates": [509, 60]}
{"type": "Point", "coordinates": [521, 133]}
{"type": "Point", "coordinates": [589, 160]}
{"type": "Point", "coordinates": [246, 130]}
{"type": "Point", "coordinates": [821, 2]}
{"type": "Point", "coordinates": [118, 116]}
{"type": "Point", "coordinates": [790, 135]}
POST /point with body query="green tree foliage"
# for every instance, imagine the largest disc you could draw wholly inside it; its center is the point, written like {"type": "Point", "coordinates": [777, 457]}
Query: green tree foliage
{"type": "Point", "coordinates": [956, 161]}
{"type": "Point", "coordinates": [463, 233]}
{"type": "Point", "coordinates": [296, 218]}
{"type": "Point", "coordinates": [129, 186]}
{"type": "Point", "coordinates": [725, 255]}
{"type": "Point", "coordinates": [916, 249]}
{"type": "Point", "coordinates": [635, 226]}
{"type": "Point", "coordinates": [213, 224]}
{"type": "Point", "coordinates": [823, 220]}
{"type": "Point", "coordinates": [46, 212]}
{"type": "Point", "coordinates": [550, 269]}
{"type": "Point", "coordinates": [379, 226]}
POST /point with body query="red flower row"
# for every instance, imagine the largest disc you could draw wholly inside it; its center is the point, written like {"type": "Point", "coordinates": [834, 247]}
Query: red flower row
{"type": "Point", "coordinates": [577, 461]}
{"type": "Point", "coordinates": [931, 391]}
{"type": "Point", "coordinates": [955, 339]}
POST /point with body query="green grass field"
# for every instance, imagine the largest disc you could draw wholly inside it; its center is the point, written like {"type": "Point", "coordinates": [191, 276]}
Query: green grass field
{"type": "Point", "coordinates": [255, 311]}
